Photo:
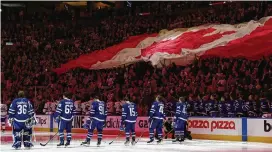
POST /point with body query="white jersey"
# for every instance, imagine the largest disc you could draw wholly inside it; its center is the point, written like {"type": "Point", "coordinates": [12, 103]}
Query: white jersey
{"type": "Point", "coordinates": [49, 108]}
{"type": "Point", "coordinates": [110, 107]}
{"type": "Point", "coordinates": [4, 109]}
{"type": "Point", "coordinates": [86, 108]}
{"type": "Point", "coordinates": [78, 108]}
{"type": "Point", "coordinates": [118, 107]}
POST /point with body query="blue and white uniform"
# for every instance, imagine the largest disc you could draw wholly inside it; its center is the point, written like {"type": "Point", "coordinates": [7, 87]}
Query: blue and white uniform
{"type": "Point", "coordinates": [156, 117]}
{"type": "Point", "coordinates": [129, 116]}
{"type": "Point", "coordinates": [20, 111]}
{"type": "Point", "coordinates": [97, 119]}
{"type": "Point", "coordinates": [64, 116]}
{"type": "Point", "coordinates": [180, 119]}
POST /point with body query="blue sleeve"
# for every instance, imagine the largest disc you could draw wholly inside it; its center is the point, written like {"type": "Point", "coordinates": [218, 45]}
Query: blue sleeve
{"type": "Point", "coordinates": [59, 110]}
{"type": "Point", "coordinates": [152, 110]}
{"type": "Point", "coordinates": [92, 112]}
{"type": "Point", "coordinates": [136, 111]}
{"type": "Point", "coordinates": [31, 110]}
{"type": "Point", "coordinates": [124, 113]}
{"type": "Point", "coordinates": [12, 109]}
{"type": "Point", "coordinates": [106, 111]}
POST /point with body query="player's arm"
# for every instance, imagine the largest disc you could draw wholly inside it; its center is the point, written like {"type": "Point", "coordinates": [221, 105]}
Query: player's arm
{"type": "Point", "coordinates": [59, 110]}
{"type": "Point", "coordinates": [12, 110]}
{"type": "Point", "coordinates": [106, 112]}
{"type": "Point", "coordinates": [30, 110]}
{"type": "Point", "coordinates": [124, 114]}
{"type": "Point", "coordinates": [136, 111]}
{"type": "Point", "coordinates": [92, 111]}
{"type": "Point", "coordinates": [152, 111]}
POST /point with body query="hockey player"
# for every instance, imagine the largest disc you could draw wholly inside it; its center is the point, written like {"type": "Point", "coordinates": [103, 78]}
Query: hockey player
{"type": "Point", "coordinates": [230, 107]}
{"type": "Point", "coordinates": [222, 108]}
{"type": "Point", "coordinates": [264, 106]}
{"type": "Point", "coordinates": [97, 119]}
{"type": "Point", "coordinates": [20, 112]}
{"type": "Point", "coordinates": [180, 119]}
{"type": "Point", "coordinates": [129, 116]}
{"type": "Point", "coordinates": [4, 109]}
{"type": "Point", "coordinates": [64, 116]}
{"type": "Point", "coordinates": [156, 117]}
{"type": "Point", "coordinates": [201, 106]}
{"type": "Point", "coordinates": [190, 106]}
{"type": "Point", "coordinates": [248, 107]}
{"type": "Point", "coordinates": [238, 107]}
{"type": "Point", "coordinates": [211, 107]}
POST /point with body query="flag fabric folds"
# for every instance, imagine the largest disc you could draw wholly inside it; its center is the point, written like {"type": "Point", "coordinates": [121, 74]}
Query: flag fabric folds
{"type": "Point", "coordinates": [250, 40]}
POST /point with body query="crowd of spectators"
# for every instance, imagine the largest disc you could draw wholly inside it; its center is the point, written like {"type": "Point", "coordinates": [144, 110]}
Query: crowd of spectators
{"type": "Point", "coordinates": [43, 42]}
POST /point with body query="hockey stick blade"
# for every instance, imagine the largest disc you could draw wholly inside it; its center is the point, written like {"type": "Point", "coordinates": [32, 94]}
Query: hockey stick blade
{"type": "Point", "coordinates": [43, 144]}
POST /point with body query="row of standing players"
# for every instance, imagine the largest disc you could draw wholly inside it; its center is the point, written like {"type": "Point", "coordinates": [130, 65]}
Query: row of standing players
{"type": "Point", "coordinates": [22, 118]}
{"type": "Point", "coordinates": [229, 108]}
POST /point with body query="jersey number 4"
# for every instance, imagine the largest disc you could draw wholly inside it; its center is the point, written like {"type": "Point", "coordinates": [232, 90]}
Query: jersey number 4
{"type": "Point", "coordinates": [22, 109]}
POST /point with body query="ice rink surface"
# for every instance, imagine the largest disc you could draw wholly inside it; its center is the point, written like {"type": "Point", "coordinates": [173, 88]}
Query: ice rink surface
{"type": "Point", "coordinates": [142, 146]}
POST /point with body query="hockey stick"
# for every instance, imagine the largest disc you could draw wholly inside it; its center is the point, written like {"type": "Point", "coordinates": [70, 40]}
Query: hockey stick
{"type": "Point", "coordinates": [116, 137]}
{"type": "Point", "coordinates": [140, 137]}
{"type": "Point", "coordinates": [49, 140]}
{"type": "Point", "coordinates": [168, 133]}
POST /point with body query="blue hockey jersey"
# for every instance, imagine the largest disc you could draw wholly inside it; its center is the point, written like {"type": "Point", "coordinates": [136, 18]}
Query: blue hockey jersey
{"type": "Point", "coordinates": [181, 111]}
{"type": "Point", "coordinates": [238, 106]}
{"type": "Point", "coordinates": [65, 109]}
{"type": "Point", "coordinates": [21, 109]}
{"type": "Point", "coordinates": [129, 112]}
{"type": "Point", "coordinates": [98, 111]}
{"type": "Point", "coordinates": [229, 107]}
{"type": "Point", "coordinates": [211, 106]}
{"type": "Point", "coordinates": [222, 108]}
{"type": "Point", "coordinates": [157, 110]}
{"type": "Point", "coordinates": [196, 106]}
{"type": "Point", "coordinates": [264, 105]}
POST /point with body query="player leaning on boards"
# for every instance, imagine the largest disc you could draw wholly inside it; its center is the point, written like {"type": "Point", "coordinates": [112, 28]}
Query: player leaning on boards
{"type": "Point", "coordinates": [129, 116]}
{"type": "Point", "coordinates": [156, 117]}
{"type": "Point", "coordinates": [64, 117]}
{"type": "Point", "coordinates": [97, 119]}
{"type": "Point", "coordinates": [21, 118]}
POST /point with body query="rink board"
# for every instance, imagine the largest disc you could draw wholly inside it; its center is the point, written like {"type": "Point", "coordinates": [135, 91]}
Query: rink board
{"type": "Point", "coordinates": [231, 129]}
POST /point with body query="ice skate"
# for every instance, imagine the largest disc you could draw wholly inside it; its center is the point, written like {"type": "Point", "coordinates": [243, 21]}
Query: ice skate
{"type": "Point", "coordinates": [99, 142]}
{"type": "Point", "coordinates": [67, 143]}
{"type": "Point", "coordinates": [150, 141]}
{"type": "Point", "coordinates": [133, 142]}
{"type": "Point", "coordinates": [127, 142]}
{"type": "Point", "coordinates": [159, 141]}
{"type": "Point", "coordinates": [60, 144]}
{"type": "Point", "coordinates": [85, 143]}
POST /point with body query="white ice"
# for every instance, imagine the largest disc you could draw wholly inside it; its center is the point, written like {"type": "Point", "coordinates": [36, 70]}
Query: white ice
{"type": "Point", "coordinates": [142, 146]}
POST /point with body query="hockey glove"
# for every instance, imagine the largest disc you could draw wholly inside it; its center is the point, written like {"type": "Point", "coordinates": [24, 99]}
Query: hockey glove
{"type": "Point", "coordinates": [11, 120]}
{"type": "Point", "coordinates": [57, 119]}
